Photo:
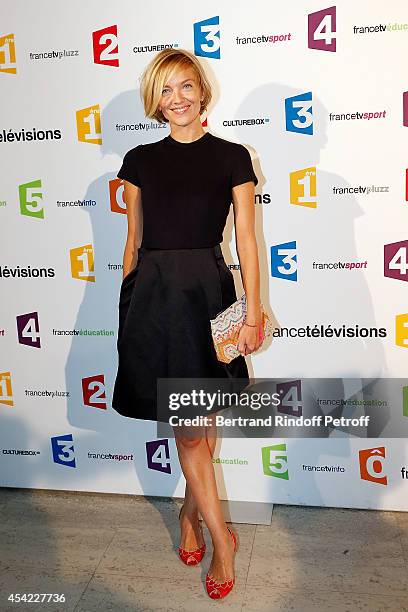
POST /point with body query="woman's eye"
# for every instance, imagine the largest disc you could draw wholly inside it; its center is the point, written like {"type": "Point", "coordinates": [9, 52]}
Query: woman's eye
{"type": "Point", "coordinates": [188, 85]}
{"type": "Point", "coordinates": [165, 91]}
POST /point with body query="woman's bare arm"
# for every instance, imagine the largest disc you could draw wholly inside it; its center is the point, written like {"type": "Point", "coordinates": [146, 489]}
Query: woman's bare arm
{"type": "Point", "coordinates": [243, 196]}
{"type": "Point", "coordinates": [133, 200]}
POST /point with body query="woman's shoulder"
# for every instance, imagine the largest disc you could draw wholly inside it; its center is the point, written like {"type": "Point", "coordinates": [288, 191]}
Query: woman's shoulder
{"type": "Point", "coordinates": [143, 148]}
{"type": "Point", "coordinates": [227, 146]}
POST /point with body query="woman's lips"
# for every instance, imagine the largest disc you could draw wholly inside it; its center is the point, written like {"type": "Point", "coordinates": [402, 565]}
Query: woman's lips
{"type": "Point", "coordinates": [180, 110]}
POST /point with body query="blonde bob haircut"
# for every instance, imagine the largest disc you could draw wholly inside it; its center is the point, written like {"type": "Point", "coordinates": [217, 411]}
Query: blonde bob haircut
{"type": "Point", "coordinates": [159, 70]}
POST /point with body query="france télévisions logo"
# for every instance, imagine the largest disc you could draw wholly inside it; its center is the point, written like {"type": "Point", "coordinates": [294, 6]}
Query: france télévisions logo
{"type": "Point", "coordinates": [30, 195]}
{"type": "Point", "coordinates": [158, 455]}
{"type": "Point", "coordinates": [303, 187]}
{"type": "Point", "coordinates": [284, 260]}
{"type": "Point", "coordinates": [275, 461]}
{"type": "Point", "coordinates": [63, 450]}
{"type": "Point", "coordinates": [94, 391]}
{"type": "Point", "coordinates": [299, 113]}
{"type": "Point", "coordinates": [207, 38]}
{"type": "Point", "coordinates": [88, 121]}
{"type": "Point", "coordinates": [396, 260]}
{"type": "Point", "coordinates": [372, 465]}
{"type": "Point", "coordinates": [28, 329]}
{"type": "Point", "coordinates": [6, 391]}
{"type": "Point", "coordinates": [105, 46]}
{"type": "Point", "coordinates": [321, 30]}
{"type": "Point", "coordinates": [82, 263]}
{"type": "Point", "coordinates": [8, 54]}
{"type": "Point", "coordinates": [290, 393]}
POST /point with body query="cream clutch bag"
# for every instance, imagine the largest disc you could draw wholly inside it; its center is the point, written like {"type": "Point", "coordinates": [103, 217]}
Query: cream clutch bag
{"type": "Point", "coordinates": [226, 325]}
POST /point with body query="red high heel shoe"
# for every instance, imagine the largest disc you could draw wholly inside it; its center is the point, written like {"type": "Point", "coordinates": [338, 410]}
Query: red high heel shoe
{"type": "Point", "coordinates": [218, 590]}
{"type": "Point", "coordinates": [192, 557]}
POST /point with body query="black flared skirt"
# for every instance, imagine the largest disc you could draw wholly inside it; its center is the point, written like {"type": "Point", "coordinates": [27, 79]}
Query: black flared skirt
{"type": "Point", "coordinates": [165, 306]}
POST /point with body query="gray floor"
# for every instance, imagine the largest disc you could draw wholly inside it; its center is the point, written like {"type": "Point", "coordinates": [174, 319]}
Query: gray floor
{"type": "Point", "coordinates": [110, 552]}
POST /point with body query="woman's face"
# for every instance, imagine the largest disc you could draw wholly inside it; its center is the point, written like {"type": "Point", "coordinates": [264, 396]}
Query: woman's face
{"type": "Point", "coordinates": [181, 98]}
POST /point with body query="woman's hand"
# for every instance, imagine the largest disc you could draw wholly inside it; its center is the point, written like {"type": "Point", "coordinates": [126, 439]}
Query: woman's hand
{"type": "Point", "coordinates": [250, 339]}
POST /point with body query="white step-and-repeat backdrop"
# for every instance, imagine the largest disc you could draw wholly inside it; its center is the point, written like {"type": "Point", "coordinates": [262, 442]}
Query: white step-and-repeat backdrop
{"type": "Point", "coordinates": [319, 95]}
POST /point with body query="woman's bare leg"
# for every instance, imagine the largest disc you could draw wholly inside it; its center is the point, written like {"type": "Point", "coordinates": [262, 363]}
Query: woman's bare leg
{"type": "Point", "coordinates": [196, 463]}
{"type": "Point", "coordinates": [191, 537]}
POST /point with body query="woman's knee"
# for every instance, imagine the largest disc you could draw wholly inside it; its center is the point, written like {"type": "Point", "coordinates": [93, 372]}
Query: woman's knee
{"type": "Point", "coordinates": [188, 442]}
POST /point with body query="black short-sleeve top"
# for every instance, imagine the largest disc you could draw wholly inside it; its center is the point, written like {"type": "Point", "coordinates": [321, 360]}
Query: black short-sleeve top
{"type": "Point", "coordinates": [186, 188]}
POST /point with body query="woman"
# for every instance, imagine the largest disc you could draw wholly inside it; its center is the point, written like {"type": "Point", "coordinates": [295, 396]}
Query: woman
{"type": "Point", "coordinates": [175, 280]}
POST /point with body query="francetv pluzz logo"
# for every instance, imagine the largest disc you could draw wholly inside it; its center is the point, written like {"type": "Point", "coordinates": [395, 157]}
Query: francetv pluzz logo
{"type": "Point", "coordinates": [207, 38]}
{"type": "Point", "coordinates": [88, 122]}
{"type": "Point", "coordinates": [8, 54]}
{"type": "Point", "coordinates": [299, 114]}
{"type": "Point", "coordinates": [82, 263]}
{"type": "Point", "coordinates": [321, 31]}
{"type": "Point", "coordinates": [105, 46]}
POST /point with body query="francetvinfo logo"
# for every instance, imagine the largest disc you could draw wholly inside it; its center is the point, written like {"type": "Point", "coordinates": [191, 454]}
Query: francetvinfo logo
{"type": "Point", "coordinates": [6, 391]}
{"type": "Point", "coordinates": [299, 114]}
{"type": "Point", "coordinates": [207, 38]}
{"type": "Point", "coordinates": [30, 195]}
{"type": "Point", "coordinates": [105, 46]}
{"type": "Point", "coordinates": [82, 263]}
{"type": "Point", "coordinates": [321, 31]}
{"type": "Point", "coordinates": [372, 465]}
{"type": "Point", "coordinates": [89, 125]}
{"type": "Point", "coordinates": [303, 187]}
{"type": "Point", "coordinates": [8, 54]}
{"type": "Point", "coordinates": [116, 193]}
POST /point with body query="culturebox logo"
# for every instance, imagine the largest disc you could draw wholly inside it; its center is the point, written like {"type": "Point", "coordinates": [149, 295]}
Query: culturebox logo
{"type": "Point", "coordinates": [94, 391]}
{"type": "Point", "coordinates": [284, 261]}
{"type": "Point", "coordinates": [89, 125]}
{"type": "Point", "coordinates": [63, 451]}
{"type": "Point", "coordinates": [299, 114]}
{"type": "Point", "coordinates": [116, 196]}
{"type": "Point", "coordinates": [105, 46]}
{"type": "Point", "coordinates": [396, 261]}
{"type": "Point", "coordinates": [401, 330]}
{"type": "Point", "coordinates": [275, 461]}
{"type": "Point", "coordinates": [82, 263]}
{"type": "Point", "coordinates": [321, 30]}
{"type": "Point", "coordinates": [303, 187]}
{"type": "Point", "coordinates": [8, 54]}
{"type": "Point", "coordinates": [290, 398]}
{"type": "Point", "coordinates": [6, 391]}
{"type": "Point", "coordinates": [28, 329]}
{"type": "Point", "coordinates": [158, 456]}
{"type": "Point", "coordinates": [372, 465]}
{"type": "Point", "coordinates": [30, 196]}
{"type": "Point", "coordinates": [207, 38]}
